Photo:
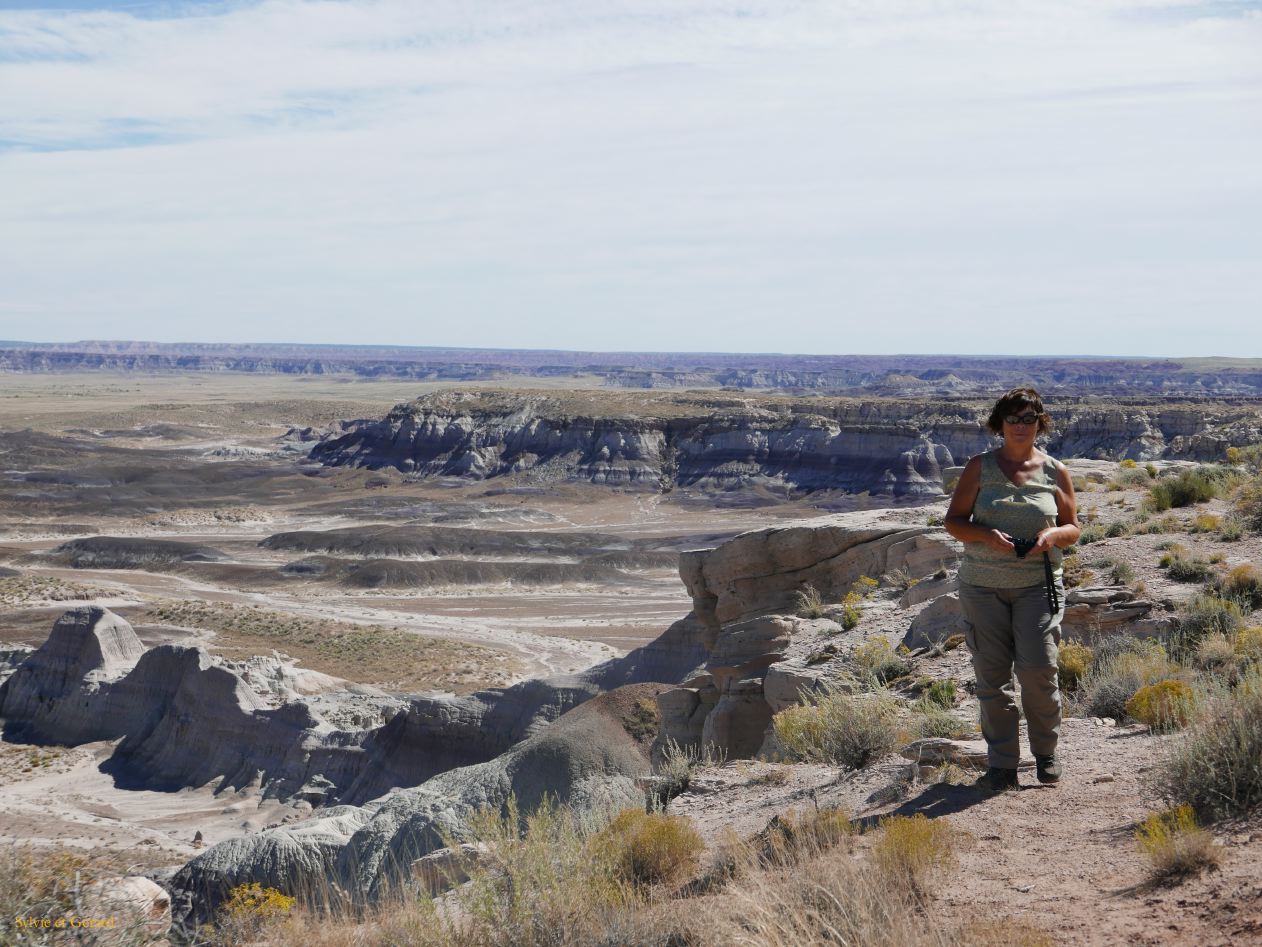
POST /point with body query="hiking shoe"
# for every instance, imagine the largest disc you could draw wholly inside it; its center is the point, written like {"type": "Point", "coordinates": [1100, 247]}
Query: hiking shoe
{"type": "Point", "coordinates": [1048, 768]}
{"type": "Point", "coordinates": [997, 779]}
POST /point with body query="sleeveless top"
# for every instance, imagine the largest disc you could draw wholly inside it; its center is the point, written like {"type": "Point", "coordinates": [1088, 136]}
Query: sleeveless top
{"type": "Point", "coordinates": [1018, 511]}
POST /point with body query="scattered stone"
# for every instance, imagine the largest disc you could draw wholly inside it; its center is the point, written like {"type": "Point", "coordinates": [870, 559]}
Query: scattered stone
{"type": "Point", "coordinates": [1104, 778]}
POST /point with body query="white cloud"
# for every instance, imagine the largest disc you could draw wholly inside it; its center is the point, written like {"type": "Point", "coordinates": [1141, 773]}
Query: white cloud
{"type": "Point", "coordinates": [696, 174]}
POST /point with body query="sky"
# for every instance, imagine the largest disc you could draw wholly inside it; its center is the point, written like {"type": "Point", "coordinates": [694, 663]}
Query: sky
{"type": "Point", "coordinates": [844, 176]}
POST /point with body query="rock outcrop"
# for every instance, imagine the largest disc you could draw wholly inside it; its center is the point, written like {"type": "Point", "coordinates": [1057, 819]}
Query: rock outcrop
{"type": "Point", "coordinates": [592, 758]}
{"type": "Point", "coordinates": [745, 589]}
{"type": "Point", "coordinates": [720, 443]}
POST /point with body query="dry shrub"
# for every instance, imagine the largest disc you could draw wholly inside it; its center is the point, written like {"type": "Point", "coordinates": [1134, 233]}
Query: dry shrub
{"type": "Point", "coordinates": [675, 768]}
{"type": "Point", "coordinates": [1249, 504]}
{"type": "Point", "coordinates": [808, 603]}
{"type": "Point", "coordinates": [1205, 523]}
{"type": "Point", "coordinates": [835, 727]}
{"type": "Point", "coordinates": [931, 719]}
{"type": "Point", "coordinates": [649, 848]}
{"type": "Point", "coordinates": [1216, 764]}
{"type": "Point", "coordinates": [1121, 666]}
{"type": "Point", "coordinates": [1215, 652]}
{"type": "Point", "coordinates": [910, 849]}
{"type": "Point", "coordinates": [1203, 615]}
{"type": "Point", "coordinates": [826, 901]}
{"type": "Point", "coordinates": [1072, 662]}
{"type": "Point", "coordinates": [1248, 644]}
{"type": "Point", "coordinates": [1242, 584]}
{"type": "Point", "coordinates": [877, 658]}
{"type": "Point", "coordinates": [952, 642]}
{"type": "Point", "coordinates": [1165, 705]}
{"type": "Point", "coordinates": [1174, 844]}
{"type": "Point", "coordinates": [795, 836]}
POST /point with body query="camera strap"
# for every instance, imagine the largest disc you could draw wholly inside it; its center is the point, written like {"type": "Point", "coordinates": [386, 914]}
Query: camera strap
{"type": "Point", "coordinates": [1053, 599]}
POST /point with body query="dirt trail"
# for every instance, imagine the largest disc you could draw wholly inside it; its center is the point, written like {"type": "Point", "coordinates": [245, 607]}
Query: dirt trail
{"type": "Point", "coordinates": [1060, 859]}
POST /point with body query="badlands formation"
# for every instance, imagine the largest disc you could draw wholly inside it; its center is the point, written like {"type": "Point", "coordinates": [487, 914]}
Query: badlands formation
{"type": "Point", "coordinates": [626, 578]}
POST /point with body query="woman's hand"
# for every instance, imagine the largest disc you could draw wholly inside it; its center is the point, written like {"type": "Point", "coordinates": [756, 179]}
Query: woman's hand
{"type": "Point", "coordinates": [1000, 542]}
{"type": "Point", "coordinates": [1046, 541]}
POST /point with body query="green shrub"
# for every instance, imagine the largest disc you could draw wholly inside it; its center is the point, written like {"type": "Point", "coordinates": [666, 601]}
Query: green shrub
{"type": "Point", "coordinates": [1186, 570]}
{"type": "Point", "coordinates": [1072, 662]}
{"type": "Point", "coordinates": [836, 727]}
{"type": "Point", "coordinates": [1231, 530]}
{"type": "Point", "coordinates": [1190, 486]}
{"type": "Point", "coordinates": [1216, 764]}
{"type": "Point", "coordinates": [940, 692]}
{"type": "Point", "coordinates": [1165, 705]}
{"type": "Point", "coordinates": [1205, 615]}
{"type": "Point", "coordinates": [1122, 573]}
{"type": "Point", "coordinates": [1091, 533]}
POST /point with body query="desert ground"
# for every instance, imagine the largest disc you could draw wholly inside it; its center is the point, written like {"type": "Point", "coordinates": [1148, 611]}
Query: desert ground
{"type": "Point", "coordinates": [202, 460]}
{"type": "Point", "coordinates": [187, 505]}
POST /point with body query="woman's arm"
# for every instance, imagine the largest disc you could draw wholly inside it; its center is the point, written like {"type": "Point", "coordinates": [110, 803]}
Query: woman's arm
{"type": "Point", "coordinates": [959, 517]}
{"type": "Point", "coordinates": [1066, 531]}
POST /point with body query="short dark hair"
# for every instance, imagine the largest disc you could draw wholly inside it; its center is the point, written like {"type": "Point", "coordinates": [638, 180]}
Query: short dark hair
{"type": "Point", "coordinates": [1015, 402]}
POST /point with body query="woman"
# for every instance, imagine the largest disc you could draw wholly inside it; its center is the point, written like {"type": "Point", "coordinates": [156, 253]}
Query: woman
{"type": "Point", "coordinates": [1014, 509]}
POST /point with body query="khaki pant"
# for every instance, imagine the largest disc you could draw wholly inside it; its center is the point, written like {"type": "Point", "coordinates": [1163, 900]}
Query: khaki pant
{"type": "Point", "coordinates": [1008, 627]}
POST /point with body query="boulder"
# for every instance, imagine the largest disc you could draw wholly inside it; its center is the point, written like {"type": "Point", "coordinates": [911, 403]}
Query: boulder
{"type": "Point", "coordinates": [936, 622]}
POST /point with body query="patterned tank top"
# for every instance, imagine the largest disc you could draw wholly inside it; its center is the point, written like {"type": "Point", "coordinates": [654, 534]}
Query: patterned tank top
{"type": "Point", "coordinates": [1018, 511]}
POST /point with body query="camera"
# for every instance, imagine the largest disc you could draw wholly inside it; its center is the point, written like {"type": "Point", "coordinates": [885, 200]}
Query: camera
{"type": "Point", "coordinates": [1024, 546]}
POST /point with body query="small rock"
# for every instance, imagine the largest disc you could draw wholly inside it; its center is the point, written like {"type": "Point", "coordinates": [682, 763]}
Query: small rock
{"type": "Point", "coordinates": [1097, 721]}
{"type": "Point", "coordinates": [1104, 778]}
{"type": "Point", "coordinates": [1025, 889]}
{"type": "Point", "coordinates": [1110, 722]}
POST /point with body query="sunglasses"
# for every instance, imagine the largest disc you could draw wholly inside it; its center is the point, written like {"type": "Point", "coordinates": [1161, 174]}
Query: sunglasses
{"type": "Point", "coordinates": [1030, 417]}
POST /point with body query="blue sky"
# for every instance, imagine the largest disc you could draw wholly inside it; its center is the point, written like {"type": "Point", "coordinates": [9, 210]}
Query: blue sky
{"type": "Point", "coordinates": [989, 176]}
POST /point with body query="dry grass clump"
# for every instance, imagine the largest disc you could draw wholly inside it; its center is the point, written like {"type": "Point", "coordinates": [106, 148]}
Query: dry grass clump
{"type": "Point", "coordinates": [911, 849]}
{"type": "Point", "coordinates": [1243, 585]}
{"type": "Point", "coordinates": [808, 603]}
{"type": "Point", "coordinates": [649, 848]}
{"type": "Point", "coordinates": [877, 659]}
{"type": "Point", "coordinates": [1248, 644]}
{"type": "Point", "coordinates": [675, 768]}
{"type": "Point", "coordinates": [1165, 705]}
{"type": "Point", "coordinates": [1174, 844]}
{"type": "Point", "coordinates": [384, 656]}
{"type": "Point", "coordinates": [826, 901]}
{"type": "Point", "coordinates": [796, 836]}
{"type": "Point", "coordinates": [832, 726]}
{"type": "Point", "coordinates": [1249, 505]}
{"type": "Point", "coordinates": [1216, 764]}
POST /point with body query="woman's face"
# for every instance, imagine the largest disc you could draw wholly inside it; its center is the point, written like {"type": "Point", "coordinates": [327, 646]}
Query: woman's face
{"type": "Point", "coordinates": [1020, 433]}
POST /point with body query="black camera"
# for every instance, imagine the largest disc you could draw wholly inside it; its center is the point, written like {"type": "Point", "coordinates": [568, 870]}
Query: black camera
{"type": "Point", "coordinates": [1024, 546]}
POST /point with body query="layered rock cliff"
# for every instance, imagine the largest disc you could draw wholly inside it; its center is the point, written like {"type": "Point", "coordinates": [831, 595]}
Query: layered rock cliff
{"type": "Point", "coordinates": [892, 448]}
